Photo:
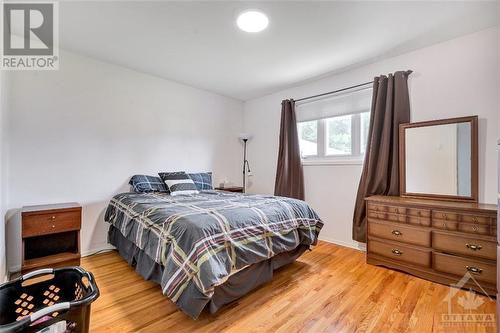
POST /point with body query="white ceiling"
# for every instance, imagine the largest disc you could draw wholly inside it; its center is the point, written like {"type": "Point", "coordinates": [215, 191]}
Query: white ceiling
{"type": "Point", "coordinates": [198, 43]}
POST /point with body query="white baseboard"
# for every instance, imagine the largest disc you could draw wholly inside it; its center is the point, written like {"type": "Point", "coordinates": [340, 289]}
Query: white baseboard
{"type": "Point", "coordinates": [353, 245]}
{"type": "Point", "coordinates": [14, 269]}
{"type": "Point", "coordinates": [103, 248]}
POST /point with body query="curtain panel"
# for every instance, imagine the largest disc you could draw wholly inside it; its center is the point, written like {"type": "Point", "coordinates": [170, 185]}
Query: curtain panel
{"type": "Point", "coordinates": [390, 108]}
{"type": "Point", "coordinates": [289, 173]}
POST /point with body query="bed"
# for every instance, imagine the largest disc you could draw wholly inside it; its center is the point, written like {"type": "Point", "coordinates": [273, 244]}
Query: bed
{"type": "Point", "coordinates": [208, 249]}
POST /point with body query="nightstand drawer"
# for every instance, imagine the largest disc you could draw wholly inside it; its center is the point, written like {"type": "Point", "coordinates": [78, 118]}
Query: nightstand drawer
{"type": "Point", "coordinates": [43, 224]}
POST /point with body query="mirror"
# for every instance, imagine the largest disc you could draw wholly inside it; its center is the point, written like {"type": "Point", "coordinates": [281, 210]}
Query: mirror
{"type": "Point", "coordinates": [438, 159]}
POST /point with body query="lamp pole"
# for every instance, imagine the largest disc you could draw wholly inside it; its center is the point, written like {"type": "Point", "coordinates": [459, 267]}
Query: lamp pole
{"type": "Point", "coordinates": [244, 164]}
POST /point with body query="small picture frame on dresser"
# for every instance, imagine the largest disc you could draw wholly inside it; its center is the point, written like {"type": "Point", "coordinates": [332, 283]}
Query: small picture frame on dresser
{"type": "Point", "coordinates": [50, 236]}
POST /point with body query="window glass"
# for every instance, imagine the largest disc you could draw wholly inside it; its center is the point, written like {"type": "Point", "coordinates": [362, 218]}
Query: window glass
{"type": "Point", "coordinates": [338, 135]}
{"type": "Point", "coordinates": [365, 123]}
{"type": "Point", "coordinates": [308, 138]}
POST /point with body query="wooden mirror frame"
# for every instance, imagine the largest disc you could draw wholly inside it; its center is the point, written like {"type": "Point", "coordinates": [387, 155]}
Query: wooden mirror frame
{"type": "Point", "coordinates": [474, 159]}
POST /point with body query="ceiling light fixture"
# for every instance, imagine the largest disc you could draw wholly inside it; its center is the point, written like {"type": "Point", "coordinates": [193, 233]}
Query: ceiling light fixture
{"type": "Point", "coordinates": [252, 21]}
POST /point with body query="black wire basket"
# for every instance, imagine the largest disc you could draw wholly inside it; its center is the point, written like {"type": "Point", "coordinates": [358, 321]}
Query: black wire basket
{"type": "Point", "coordinates": [48, 300]}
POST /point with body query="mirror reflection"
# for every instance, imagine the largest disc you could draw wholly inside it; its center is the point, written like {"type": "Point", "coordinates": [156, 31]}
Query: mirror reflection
{"type": "Point", "coordinates": [438, 159]}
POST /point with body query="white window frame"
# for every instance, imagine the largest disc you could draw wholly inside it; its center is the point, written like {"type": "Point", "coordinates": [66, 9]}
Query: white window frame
{"type": "Point", "coordinates": [322, 158]}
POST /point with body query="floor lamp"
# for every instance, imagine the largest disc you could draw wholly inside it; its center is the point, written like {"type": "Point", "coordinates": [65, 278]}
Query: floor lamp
{"type": "Point", "coordinates": [246, 166]}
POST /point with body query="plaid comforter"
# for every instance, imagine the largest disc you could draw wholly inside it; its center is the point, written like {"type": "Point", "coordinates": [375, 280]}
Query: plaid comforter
{"type": "Point", "coordinates": [201, 239]}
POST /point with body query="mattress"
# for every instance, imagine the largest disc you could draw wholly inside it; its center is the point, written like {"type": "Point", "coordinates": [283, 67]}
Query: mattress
{"type": "Point", "coordinates": [200, 241]}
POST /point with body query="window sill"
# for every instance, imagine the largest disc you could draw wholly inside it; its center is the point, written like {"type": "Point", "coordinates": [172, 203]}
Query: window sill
{"type": "Point", "coordinates": [332, 162]}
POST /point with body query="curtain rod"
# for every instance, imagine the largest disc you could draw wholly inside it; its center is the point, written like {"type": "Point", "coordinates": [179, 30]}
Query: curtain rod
{"type": "Point", "coordinates": [334, 92]}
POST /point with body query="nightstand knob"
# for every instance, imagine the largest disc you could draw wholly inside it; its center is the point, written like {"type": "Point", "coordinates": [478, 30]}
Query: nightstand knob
{"type": "Point", "coordinates": [52, 218]}
{"type": "Point", "coordinates": [53, 226]}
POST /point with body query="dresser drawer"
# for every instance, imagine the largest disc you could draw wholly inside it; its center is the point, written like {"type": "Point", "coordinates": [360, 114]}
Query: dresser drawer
{"type": "Point", "coordinates": [396, 217]}
{"type": "Point", "coordinates": [442, 215]}
{"type": "Point", "coordinates": [400, 233]}
{"type": "Point", "coordinates": [377, 207]}
{"type": "Point", "coordinates": [424, 213]}
{"type": "Point", "coordinates": [464, 245]}
{"type": "Point", "coordinates": [479, 269]}
{"type": "Point", "coordinates": [400, 252]}
{"type": "Point", "coordinates": [396, 210]}
{"type": "Point", "coordinates": [475, 219]}
{"type": "Point", "coordinates": [43, 224]}
{"type": "Point", "coordinates": [416, 220]}
{"type": "Point", "coordinates": [470, 228]}
{"type": "Point", "coordinates": [445, 224]}
{"type": "Point", "coordinates": [377, 215]}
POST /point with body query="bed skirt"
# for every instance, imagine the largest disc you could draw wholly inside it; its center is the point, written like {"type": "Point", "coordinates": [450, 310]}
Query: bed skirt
{"type": "Point", "coordinates": [235, 286]}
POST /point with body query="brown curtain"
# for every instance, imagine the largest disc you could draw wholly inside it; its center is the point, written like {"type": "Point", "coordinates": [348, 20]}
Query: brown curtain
{"type": "Point", "coordinates": [289, 175]}
{"type": "Point", "coordinates": [390, 107]}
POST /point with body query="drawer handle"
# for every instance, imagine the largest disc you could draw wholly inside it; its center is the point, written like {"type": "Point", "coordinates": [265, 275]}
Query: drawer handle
{"type": "Point", "coordinates": [474, 219]}
{"type": "Point", "coordinates": [52, 218]}
{"type": "Point", "coordinates": [396, 233]}
{"type": "Point", "coordinates": [397, 252]}
{"type": "Point", "coordinates": [474, 228]}
{"type": "Point", "coordinates": [473, 247]}
{"type": "Point", "coordinates": [474, 270]}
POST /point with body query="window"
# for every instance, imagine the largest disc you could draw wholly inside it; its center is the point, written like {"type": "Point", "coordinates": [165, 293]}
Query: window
{"type": "Point", "coordinates": [308, 138]}
{"type": "Point", "coordinates": [339, 135]}
{"type": "Point", "coordinates": [342, 137]}
{"type": "Point", "coordinates": [365, 123]}
{"type": "Point", "coordinates": [334, 129]}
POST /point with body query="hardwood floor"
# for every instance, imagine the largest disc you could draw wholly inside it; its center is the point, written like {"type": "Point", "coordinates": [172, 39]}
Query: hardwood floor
{"type": "Point", "coordinates": [329, 289]}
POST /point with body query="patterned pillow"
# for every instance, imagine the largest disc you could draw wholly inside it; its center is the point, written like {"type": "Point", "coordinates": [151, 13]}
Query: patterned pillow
{"type": "Point", "coordinates": [202, 180]}
{"type": "Point", "coordinates": [178, 183]}
{"type": "Point", "coordinates": [144, 184]}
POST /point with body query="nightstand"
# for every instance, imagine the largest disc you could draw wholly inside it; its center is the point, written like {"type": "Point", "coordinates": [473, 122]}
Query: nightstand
{"type": "Point", "coordinates": [237, 189]}
{"type": "Point", "coordinates": [50, 236]}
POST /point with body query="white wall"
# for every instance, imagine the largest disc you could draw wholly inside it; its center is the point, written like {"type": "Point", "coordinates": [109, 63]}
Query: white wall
{"type": "Point", "coordinates": [79, 133]}
{"type": "Point", "coordinates": [459, 77]}
{"type": "Point", "coordinates": [3, 257]}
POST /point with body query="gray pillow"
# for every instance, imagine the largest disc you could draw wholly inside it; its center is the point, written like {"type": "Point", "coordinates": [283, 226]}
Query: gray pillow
{"type": "Point", "coordinates": [145, 184]}
{"type": "Point", "coordinates": [202, 180]}
{"type": "Point", "coordinates": [178, 183]}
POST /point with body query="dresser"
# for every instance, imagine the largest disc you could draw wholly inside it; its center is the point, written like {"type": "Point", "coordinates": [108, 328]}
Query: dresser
{"type": "Point", "coordinates": [436, 240]}
{"type": "Point", "coordinates": [498, 236]}
{"type": "Point", "coordinates": [50, 236]}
